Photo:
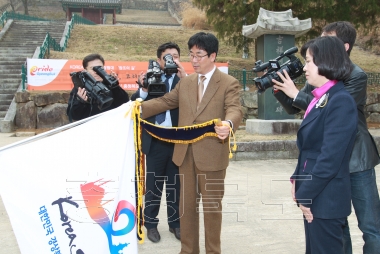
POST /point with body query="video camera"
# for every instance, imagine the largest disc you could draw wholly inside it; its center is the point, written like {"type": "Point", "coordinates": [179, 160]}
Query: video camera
{"type": "Point", "coordinates": [170, 66]}
{"type": "Point", "coordinates": [152, 79]}
{"type": "Point", "coordinates": [293, 67]}
{"type": "Point", "coordinates": [97, 92]}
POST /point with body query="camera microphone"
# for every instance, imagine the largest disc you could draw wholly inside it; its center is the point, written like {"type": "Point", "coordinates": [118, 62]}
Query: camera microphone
{"type": "Point", "coordinates": [290, 51]}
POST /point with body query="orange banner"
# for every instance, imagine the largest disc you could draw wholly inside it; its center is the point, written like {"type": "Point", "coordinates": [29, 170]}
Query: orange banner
{"type": "Point", "coordinates": [53, 74]}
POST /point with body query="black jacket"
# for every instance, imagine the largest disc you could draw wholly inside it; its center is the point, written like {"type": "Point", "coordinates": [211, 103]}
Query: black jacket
{"type": "Point", "coordinates": [364, 155]}
{"type": "Point", "coordinates": [147, 138]}
{"type": "Point", "coordinates": [78, 109]}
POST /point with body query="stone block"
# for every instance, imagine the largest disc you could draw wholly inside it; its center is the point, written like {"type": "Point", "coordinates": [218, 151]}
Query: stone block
{"type": "Point", "coordinates": [273, 145]}
{"type": "Point", "coordinates": [22, 96]}
{"type": "Point", "coordinates": [272, 127]}
{"type": "Point", "coordinates": [372, 98]}
{"type": "Point", "coordinates": [373, 108]}
{"type": "Point", "coordinates": [26, 115]}
{"type": "Point", "coordinates": [374, 118]}
{"type": "Point", "coordinates": [49, 98]}
{"type": "Point", "coordinates": [249, 99]}
{"type": "Point", "coordinates": [52, 116]}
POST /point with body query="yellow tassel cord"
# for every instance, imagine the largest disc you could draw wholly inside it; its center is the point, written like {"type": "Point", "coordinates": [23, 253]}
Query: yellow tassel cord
{"type": "Point", "coordinates": [140, 172]}
{"type": "Point", "coordinates": [234, 148]}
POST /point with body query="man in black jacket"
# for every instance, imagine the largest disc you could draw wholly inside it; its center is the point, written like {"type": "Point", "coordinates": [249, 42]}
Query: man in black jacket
{"type": "Point", "coordinates": [79, 106]}
{"type": "Point", "coordinates": [159, 164]}
{"type": "Point", "coordinates": [364, 157]}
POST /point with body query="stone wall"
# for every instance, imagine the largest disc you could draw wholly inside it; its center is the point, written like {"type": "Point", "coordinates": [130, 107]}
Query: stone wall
{"type": "Point", "coordinates": [42, 110]}
{"type": "Point", "coordinates": [249, 102]}
{"type": "Point", "coordinates": [47, 110]}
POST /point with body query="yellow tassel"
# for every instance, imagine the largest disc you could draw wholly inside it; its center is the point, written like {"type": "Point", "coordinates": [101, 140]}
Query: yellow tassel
{"type": "Point", "coordinates": [139, 170]}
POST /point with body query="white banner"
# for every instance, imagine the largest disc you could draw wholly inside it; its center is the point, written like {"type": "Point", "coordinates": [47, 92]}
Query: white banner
{"type": "Point", "coordinates": [43, 71]}
{"type": "Point", "coordinates": [74, 192]}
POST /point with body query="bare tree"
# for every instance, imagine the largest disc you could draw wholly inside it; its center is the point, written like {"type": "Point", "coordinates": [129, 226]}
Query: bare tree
{"type": "Point", "coordinates": [25, 3]}
{"type": "Point", "coordinates": [13, 4]}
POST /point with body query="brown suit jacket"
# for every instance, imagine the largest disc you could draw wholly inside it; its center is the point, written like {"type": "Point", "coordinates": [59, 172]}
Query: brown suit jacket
{"type": "Point", "coordinates": [220, 100]}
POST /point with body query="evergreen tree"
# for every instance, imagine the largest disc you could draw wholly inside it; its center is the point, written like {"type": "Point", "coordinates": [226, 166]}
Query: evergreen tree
{"type": "Point", "coordinates": [228, 16]}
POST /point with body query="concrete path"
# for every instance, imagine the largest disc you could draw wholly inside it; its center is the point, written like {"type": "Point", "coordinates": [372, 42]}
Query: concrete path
{"type": "Point", "coordinates": [259, 215]}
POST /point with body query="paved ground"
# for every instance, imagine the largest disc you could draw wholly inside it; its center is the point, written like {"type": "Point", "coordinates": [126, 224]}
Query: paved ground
{"type": "Point", "coordinates": [259, 215]}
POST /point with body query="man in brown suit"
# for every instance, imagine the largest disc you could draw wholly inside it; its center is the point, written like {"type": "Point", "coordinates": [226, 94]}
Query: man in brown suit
{"type": "Point", "coordinates": [202, 96]}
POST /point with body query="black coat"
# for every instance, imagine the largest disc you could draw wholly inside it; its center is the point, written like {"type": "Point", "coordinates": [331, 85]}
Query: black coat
{"type": "Point", "coordinates": [78, 109]}
{"type": "Point", "coordinates": [364, 155]}
{"type": "Point", "coordinates": [147, 138]}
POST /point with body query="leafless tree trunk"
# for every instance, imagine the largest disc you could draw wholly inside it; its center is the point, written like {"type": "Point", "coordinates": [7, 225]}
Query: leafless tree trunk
{"type": "Point", "coordinates": [12, 3]}
{"type": "Point", "coordinates": [25, 3]}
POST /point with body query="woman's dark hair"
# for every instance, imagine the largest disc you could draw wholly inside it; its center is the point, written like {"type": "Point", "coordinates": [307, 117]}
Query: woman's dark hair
{"type": "Point", "coordinates": [90, 58]}
{"type": "Point", "coordinates": [330, 56]}
{"type": "Point", "coordinates": [206, 41]}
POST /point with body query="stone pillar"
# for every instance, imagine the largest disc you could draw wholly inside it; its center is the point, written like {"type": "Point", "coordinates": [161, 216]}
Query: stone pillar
{"type": "Point", "coordinates": [268, 47]}
{"type": "Point", "coordinates": [275, 32]}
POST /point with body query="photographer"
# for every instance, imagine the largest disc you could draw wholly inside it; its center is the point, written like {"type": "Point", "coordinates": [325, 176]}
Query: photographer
{"type": "Point", "coordinates": [364, 157]}
{"type": "Point", "coordinates": [159, 164]}
{"type": "Point", "coordinates": [80, 106]}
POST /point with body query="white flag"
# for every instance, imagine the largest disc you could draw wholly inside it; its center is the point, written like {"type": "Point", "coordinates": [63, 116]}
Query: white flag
{"type": "Point", "coordinates": [74, 191]}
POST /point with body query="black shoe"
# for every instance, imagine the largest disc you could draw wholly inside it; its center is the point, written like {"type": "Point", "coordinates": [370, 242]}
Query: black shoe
{"type": "Point", "coordinates": [153, 235]}
{"type": "Point", "coordinates": [176, 232]}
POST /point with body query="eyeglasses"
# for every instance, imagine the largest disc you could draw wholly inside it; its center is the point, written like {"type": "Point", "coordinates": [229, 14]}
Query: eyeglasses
{"type": "Point", "coordinates": [196, 57]}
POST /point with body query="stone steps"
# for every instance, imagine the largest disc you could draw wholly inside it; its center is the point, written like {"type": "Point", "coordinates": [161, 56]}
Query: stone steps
{"type": "Point", "coordinates": [19, 43]}
{"type": "Point", "coordinates": [5, 102]}
{"type": "Point", "coordinates": [7, 91]}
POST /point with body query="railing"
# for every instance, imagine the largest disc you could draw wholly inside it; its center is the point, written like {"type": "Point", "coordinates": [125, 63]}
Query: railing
{"type": "Point", "coordinates": [23, 76]}
{"type": "Point", "coordinates": [50, 42]}
{"type": "Point", "coordinates": [81, 21]}
{"type": "Point", "coordinates": [246, 77]}
{"type": "Point", "coordinates": [13, 15]}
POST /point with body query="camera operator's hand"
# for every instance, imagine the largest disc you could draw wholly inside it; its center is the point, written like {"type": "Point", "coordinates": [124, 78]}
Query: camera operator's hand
{"type": "Point", "coordinates": [82, 93]}
{"type": "Point", "coordinates": [288, 87]}
{"type": "Point", "coordinates": [181, 71]}
{"type": "Point", "coordinates": [141, 81]}
{"type": "Point", "coordinates": [114, 74]}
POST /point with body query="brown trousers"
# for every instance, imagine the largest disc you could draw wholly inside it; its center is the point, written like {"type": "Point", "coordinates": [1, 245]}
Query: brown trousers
{"type": "Point", "coordinates": [198, 185]}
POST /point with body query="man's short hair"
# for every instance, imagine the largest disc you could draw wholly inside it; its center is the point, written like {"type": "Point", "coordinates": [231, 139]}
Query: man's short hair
{"type": "Point", "coordinates": [90, 58]}
{"type": "Point", "coordinates": [330, 56]}
{"type": "Point", "coordinates": [344, 30]}
{"type": "Point", "coordinates": [206, 41]}
{"type": "Point", "coordinates": [165, 46]}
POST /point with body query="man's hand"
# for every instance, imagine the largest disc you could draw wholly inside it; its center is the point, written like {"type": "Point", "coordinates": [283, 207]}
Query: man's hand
{"type": "Point", "coordinates": [82, 93]}
{"type": "Point", "coordinates": [141, 81]}
{"type": "Point", "coordinates": [223, 130]}
{"type": "Point", "coordinates": [114, 74]}
{"type": "Point", "coordinates": [181, 71]}
{"type": "Point", "coordinates": [288, 87]}
{"type": "Point", "coordinates": [307, 213]}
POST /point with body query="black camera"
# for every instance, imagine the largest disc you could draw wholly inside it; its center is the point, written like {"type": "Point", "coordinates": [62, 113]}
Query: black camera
{"type": "Point", "coordinates": [97, 92]}
{"type": "Point", "coordinates": [293, 67]}
{"type": "Point", "coordinates": [170, 66]}
{"type": "Point", "coordinates": [152, 80]}
{"type": "Point", "coordinates": [110, 81]}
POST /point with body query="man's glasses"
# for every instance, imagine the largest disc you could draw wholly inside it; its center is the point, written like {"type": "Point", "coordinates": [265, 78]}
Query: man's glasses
{"type": "Point", "coordinates": [196, 57]}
